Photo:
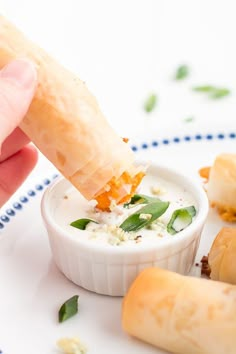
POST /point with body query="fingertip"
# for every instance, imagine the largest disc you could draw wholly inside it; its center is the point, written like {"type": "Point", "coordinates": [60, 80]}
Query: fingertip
{"type": "Point", "coordinates": [15, 170]}
{"type": "Point", "coordinates": [30, 153]}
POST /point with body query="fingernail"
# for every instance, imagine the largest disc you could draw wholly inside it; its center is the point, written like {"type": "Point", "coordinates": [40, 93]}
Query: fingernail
{"type": "Point", "coordinates": [21, 72]}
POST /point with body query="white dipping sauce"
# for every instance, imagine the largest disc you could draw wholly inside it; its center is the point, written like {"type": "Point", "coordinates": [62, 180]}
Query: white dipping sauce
{"type": "Point", "coordinates": [73, 206]}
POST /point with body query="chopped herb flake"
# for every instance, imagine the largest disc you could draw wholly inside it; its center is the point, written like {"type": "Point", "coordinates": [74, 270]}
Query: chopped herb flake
{"type": "Point", "coordinates": [188, 119]}
{"type": "Point", "coordinates": [82, 223]}
{"type": "Point", "coordinates": [206, 88]}
{"type": "Point", "coordinates": [220, 93]}
{"type": "Point", "coordinates": [182, 72]}
{"type": "Point", "coordinates": [134, 222]}
{"type": "Point", "coordinates": [150, 103]}
{"type": "Point", "coordinates": [213, 92]}
{"type": "Point", "coordinates": [180, 219]}
{"type": "Point", "coordinates": [68, 309]}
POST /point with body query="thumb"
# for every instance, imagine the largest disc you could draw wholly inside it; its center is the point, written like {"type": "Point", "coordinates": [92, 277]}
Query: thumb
{"type": "Point", "coordinates": [18, 81]}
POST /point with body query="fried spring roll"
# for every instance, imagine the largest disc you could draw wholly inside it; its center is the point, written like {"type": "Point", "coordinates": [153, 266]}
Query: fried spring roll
{"type": "Point", "coordinates": [221, 188]}
{"type": "Point", "coordinates": [184, 315]}
{"type": "Point", "coordinates": [222, 256]}
{"type": "Point", "coordinates": [65, 122]}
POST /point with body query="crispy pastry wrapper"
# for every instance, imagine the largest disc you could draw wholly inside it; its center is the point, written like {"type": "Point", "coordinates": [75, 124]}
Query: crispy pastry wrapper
{"type": "Point", "coordinates": [181, 314]}
{"type": "Point", "coordinates": [221, 189]}
{"type": "Point", "coordinates": [64, 120]}
{"type": "Point", "coordinates": [222, 256]}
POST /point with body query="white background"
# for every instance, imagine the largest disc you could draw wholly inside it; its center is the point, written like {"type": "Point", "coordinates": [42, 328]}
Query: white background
{"type": "Point", "coordinates": [128, 48]}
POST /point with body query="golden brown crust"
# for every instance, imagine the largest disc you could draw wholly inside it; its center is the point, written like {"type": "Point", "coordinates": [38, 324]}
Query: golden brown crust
{"type": "Point", "coordinates": [226, 212]}
{"type": "Point", "coordinates": [221, 188]}
{"type": "Point", "coordinates": [181, 314]}
{"type": "Point", "coordinates": [222, 256]}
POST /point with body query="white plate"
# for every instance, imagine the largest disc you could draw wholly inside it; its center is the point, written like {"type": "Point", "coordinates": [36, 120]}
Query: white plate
{"type": "Point", "coordinates": [33, 289]}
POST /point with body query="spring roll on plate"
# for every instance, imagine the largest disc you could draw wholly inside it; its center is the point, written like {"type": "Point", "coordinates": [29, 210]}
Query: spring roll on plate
{"type": "Point", "coordinates": [184, 315]}
{"type": "Point", "coordinates": [221, 187]}
{"type": "Point", "coordinates": [65, 122]}
{"type": "Point", "coordinates": [222, 256]}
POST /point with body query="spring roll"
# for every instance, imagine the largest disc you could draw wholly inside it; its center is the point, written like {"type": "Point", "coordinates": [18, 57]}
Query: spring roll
{"type": "Point", "coordinates": [65, 122]}
{"type": "Point", "coordinates": [221, 187]}
{"type": "Point", "coordinates": [184, 315]}
{"type": "Point", "coordinates": [222, 256]}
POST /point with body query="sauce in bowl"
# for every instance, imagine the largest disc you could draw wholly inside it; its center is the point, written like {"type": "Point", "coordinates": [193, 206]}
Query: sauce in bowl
{"type": "Point", "coordinates": [105, 257]}
{"type": "Point", "coordinates": [106, 228]}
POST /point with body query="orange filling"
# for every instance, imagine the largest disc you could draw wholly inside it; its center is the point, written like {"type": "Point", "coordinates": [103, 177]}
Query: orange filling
{"type": "Point", "coordinates": [204, 172]}
{"type": "Point", "coordinates": [104, 199]}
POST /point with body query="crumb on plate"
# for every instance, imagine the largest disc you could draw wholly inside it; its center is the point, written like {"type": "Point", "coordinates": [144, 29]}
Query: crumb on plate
{"type": "Point", "coordinates": [157, 190]}
{"type": "Point", "coordinates": [205, 268]}
{"type": "Point", "coordinates": [71, 346]}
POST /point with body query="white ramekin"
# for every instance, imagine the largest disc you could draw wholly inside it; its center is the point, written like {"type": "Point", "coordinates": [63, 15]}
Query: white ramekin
{"type": "Point", "coordinates": [111, 270]}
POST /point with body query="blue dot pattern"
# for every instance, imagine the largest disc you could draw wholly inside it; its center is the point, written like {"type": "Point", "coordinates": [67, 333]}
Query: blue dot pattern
{"type": "Point", "coordinates": [17, 206]}
{"type": "Point", "coordinates": [38, 187]}
{"type": "Point", "coordinates": [46, 181]}
{"type": "Point", "coordinates": [220, 136]}
{"type": "Point", "coordinates": [198, 137]}
{"type": "Point", "coordinates": [165, 141]}
{"type": "Point", "coordinates": [10, 212]}
{"type": "Point", "coordinates": [209, 136]}
{"type": "Point", "coordinates": [4, 219]}
{"type": "Point", "coordinates": [24, 199]}
{"type": "Point", "coordinates": [186, 138]}
{"type": "Point", "coordinates": [31, 193]}
{"type": "Point", "coordinates": [176, 140]}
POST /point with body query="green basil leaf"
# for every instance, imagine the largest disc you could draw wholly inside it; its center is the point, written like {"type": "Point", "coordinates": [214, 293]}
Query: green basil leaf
{"type": "Point", "coordinates": [180, 219]}
{"type": "Point", "coordinates": [182, 72]}
{"type": "Point", "coordinates": [141, 199]}
{"type": "Point", "coordinates": [82, 223]}
{"type": "Point", "coordinates": [68, 309]}
{"type": "Point", "coordinates": [135, 223]}
{"type": "Point", "coordinates": [150, 103]}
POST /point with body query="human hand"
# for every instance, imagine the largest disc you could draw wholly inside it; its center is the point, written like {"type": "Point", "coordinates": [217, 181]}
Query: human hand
{"type": "Point", "coordinates": [18, 82]}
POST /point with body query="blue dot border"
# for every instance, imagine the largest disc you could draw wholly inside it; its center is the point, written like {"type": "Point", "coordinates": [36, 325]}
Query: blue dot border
{"type": "Point", "coordinates": [22, 201]}
{"type": "Point", "coordinates": [185, 138]}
